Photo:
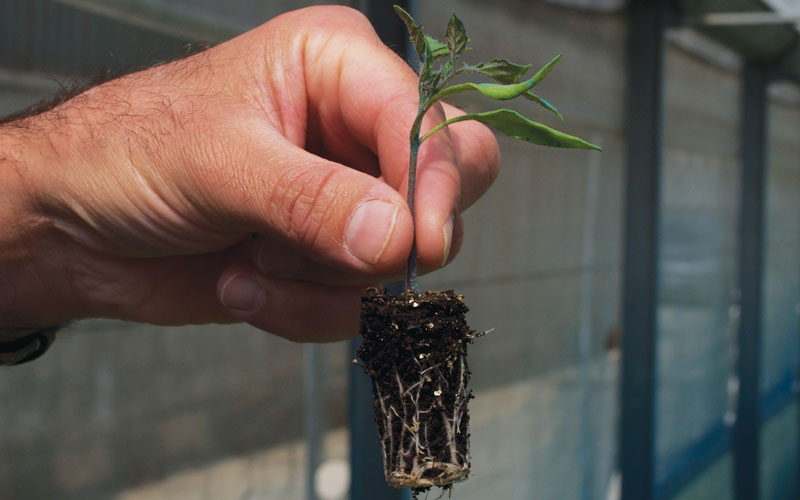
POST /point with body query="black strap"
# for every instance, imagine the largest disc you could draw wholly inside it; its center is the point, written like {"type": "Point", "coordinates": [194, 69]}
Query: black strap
{"type": "Point", "coordinates": [27, 348]}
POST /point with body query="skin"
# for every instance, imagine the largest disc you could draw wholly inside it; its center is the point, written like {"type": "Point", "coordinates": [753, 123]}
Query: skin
{"type": "Point", "coordinates": [262, 180]}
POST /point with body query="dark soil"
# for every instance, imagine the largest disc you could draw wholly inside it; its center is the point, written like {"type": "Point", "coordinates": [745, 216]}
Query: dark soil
{"type": "Point", "coordinates": [415, 348]}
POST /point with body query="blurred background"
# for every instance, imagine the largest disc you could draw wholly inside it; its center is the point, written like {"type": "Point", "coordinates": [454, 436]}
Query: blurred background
{"type": "Point", "coordinates": [645, 300]}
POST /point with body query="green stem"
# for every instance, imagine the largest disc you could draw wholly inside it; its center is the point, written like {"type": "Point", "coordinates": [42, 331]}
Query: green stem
{"type": "Point", "coordinates": [411, 269]}
{"type": "Point", "coordinates": [459, 71]}
{"type": "Point", "coordinates": [443, 125]}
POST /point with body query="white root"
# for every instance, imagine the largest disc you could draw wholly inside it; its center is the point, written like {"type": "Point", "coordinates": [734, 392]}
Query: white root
{"type": "Point", "coordinates": [411, 448]}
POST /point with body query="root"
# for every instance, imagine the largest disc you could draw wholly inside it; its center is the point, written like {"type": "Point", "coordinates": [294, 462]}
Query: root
{"type": "Point", "coordinates": [448, 474]}
{"type": "Point", "coordinates": [415, 349]}
{"type": "Point", "coordinates": [408, 455]}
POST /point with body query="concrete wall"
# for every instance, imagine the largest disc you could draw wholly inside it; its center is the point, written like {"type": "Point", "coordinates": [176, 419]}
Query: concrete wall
{"type": "Point", "coordinates": [116, 404]}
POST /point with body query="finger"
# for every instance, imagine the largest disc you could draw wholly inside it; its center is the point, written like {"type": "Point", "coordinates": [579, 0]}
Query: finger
{"type": "Point", "coordinates": [277, 260]}
{"type": "Point", "coordinates": [455, 246]}
{"type": "Point", "coordinates": [438, 193]}
{"type": "Point", "coordinates": [164, 291]}
{"type": "Point", "coordinates": [477, 156]}
{"type": "Point", "coordinates": [322, 209]}
{"type": "Point", "coordinates": [280, 261]}
{"type": "Point", "coordinates": [298, 311]}
{"type": "Point", "coordinates": [438, 180]}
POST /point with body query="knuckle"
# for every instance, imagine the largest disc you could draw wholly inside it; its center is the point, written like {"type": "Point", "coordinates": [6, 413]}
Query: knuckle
{"type": "Point", "coordinates": [349, 15]}
{"type": "Point", "coordinates": [306, 202]}
{"type": "Point", "coordinates": [340, 19]}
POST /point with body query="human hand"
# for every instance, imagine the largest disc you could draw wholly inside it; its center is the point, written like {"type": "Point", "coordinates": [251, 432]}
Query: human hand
{"type": "Point", "coordinates": [262, 180]}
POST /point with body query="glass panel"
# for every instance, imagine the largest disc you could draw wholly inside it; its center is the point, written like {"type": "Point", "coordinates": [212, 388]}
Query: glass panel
{"type": "Point", "coordinates": [715, 482]}
{"type": "Point", "coordinates": [779, 455]}
{"type": "Point", "coordinates": [540, 265]}
{"type": "Point", "coordinates": [781, 300]}
{"type": "Point", "coordinates": [782, 252]}
{"type": "Point", "coordinates": [698, 259]}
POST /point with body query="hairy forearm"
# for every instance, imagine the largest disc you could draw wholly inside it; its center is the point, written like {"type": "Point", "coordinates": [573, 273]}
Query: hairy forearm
{"type": "Point", "coordinates": [54, 157]}
{"type": "Point", "coordinates": [32, 266]}
{"type": "Point", "coordinates": [85, 177]}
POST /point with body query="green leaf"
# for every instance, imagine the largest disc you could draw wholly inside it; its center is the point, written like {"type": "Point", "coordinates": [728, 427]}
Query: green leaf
{"type": "Point", "coordinates": [429, 79]}
{"type": "Point", "coordinates": [415, 30]}
{"type": "Point", "coordinates": [437, 48]}
{"type": "Point", "coordinates": [456, 37]}
{"type": "Point", "coordinates": [517, 126]}
{"type": "Point", "coordinates": [502, 70]}
{"type": "Point", "coordinates": [541, 102]}
{"type": "Point", "coordinates": [447, 68]}
{"type": "Point", "coordinates": [539, 76]}
{"type": "Point", "coordinates": [491, 90]}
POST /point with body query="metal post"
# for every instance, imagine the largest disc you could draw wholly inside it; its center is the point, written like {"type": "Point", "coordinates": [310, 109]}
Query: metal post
{"type": "Point", "coordinates": [644, 113]}
{"type": "Point", "coordinates": [388, 26]}
{"type": "Point", "coordinates": [313, 414]}
{"type": "Point", "coordinates": [746, 449]}
{"type": "Point", "coordinates": [366, 459]}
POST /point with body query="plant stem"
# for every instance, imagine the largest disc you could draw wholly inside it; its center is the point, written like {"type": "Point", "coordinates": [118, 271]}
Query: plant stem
{"type": "Point", "coordinates": [411, 269]}
{"type": "Point", "coordinates": [443, 124]}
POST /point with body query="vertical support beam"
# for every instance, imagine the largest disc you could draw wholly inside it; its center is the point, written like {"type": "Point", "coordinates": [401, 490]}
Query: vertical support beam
{"type": "Point", "coordinates": [367, 481]}
{"type": "Point", "coordinates": [366, 460]}
{"type": "Point", "coordinates": [388, 26]}
{"type": "Point", "coordinates": [312, 367]}
{"type": "Point", "coordinates": [644, 114]}
{"type": "Point", "coordinates": [751, 262]}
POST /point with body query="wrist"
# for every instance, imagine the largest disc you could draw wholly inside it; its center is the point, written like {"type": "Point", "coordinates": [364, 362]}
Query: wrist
{"type": "Point", "coordinates": [34, 291]}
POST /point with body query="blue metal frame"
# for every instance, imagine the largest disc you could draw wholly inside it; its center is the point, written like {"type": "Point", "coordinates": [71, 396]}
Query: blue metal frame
{"type": "Point", "coordinates": [746, 432]}
{"type": "Point", "coordinates": [693, 460]}
{"type": "Point", "coordinates": [366, 461]}
{"type": "Point", "coordinates": [644, 112]}
{"type": "Point", "coordinates": [314, 414]}
{"type": "Point", "coordinates": [367, 480]}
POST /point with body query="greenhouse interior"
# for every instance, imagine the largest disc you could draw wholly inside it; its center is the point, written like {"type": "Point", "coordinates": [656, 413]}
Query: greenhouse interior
{"type": "Point", "coordinates": [643, 302]}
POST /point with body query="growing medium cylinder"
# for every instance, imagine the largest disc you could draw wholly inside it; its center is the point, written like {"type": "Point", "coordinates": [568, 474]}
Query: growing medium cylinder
{"type": "Point", "coordinates": [415, 351]}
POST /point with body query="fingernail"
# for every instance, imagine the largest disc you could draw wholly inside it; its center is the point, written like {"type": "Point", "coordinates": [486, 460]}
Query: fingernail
{"type": "Point", "coordinates": [370, 229]}
{"type": "Point", "coordinates": [447, 232]}
{"type": "Point", "coordinates": [242, 293]}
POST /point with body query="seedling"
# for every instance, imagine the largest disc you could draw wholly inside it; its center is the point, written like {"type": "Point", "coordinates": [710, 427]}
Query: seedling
{"type": "Point", "coordinates": [415, 344]}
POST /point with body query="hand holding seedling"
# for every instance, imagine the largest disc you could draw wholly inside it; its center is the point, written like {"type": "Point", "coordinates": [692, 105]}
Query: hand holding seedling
{"type": "Point", "coordinates": [262, 180]}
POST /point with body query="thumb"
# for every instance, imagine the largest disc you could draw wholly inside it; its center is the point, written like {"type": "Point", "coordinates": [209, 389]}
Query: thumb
{"type": "Point", "coordinates": [325, 210]}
